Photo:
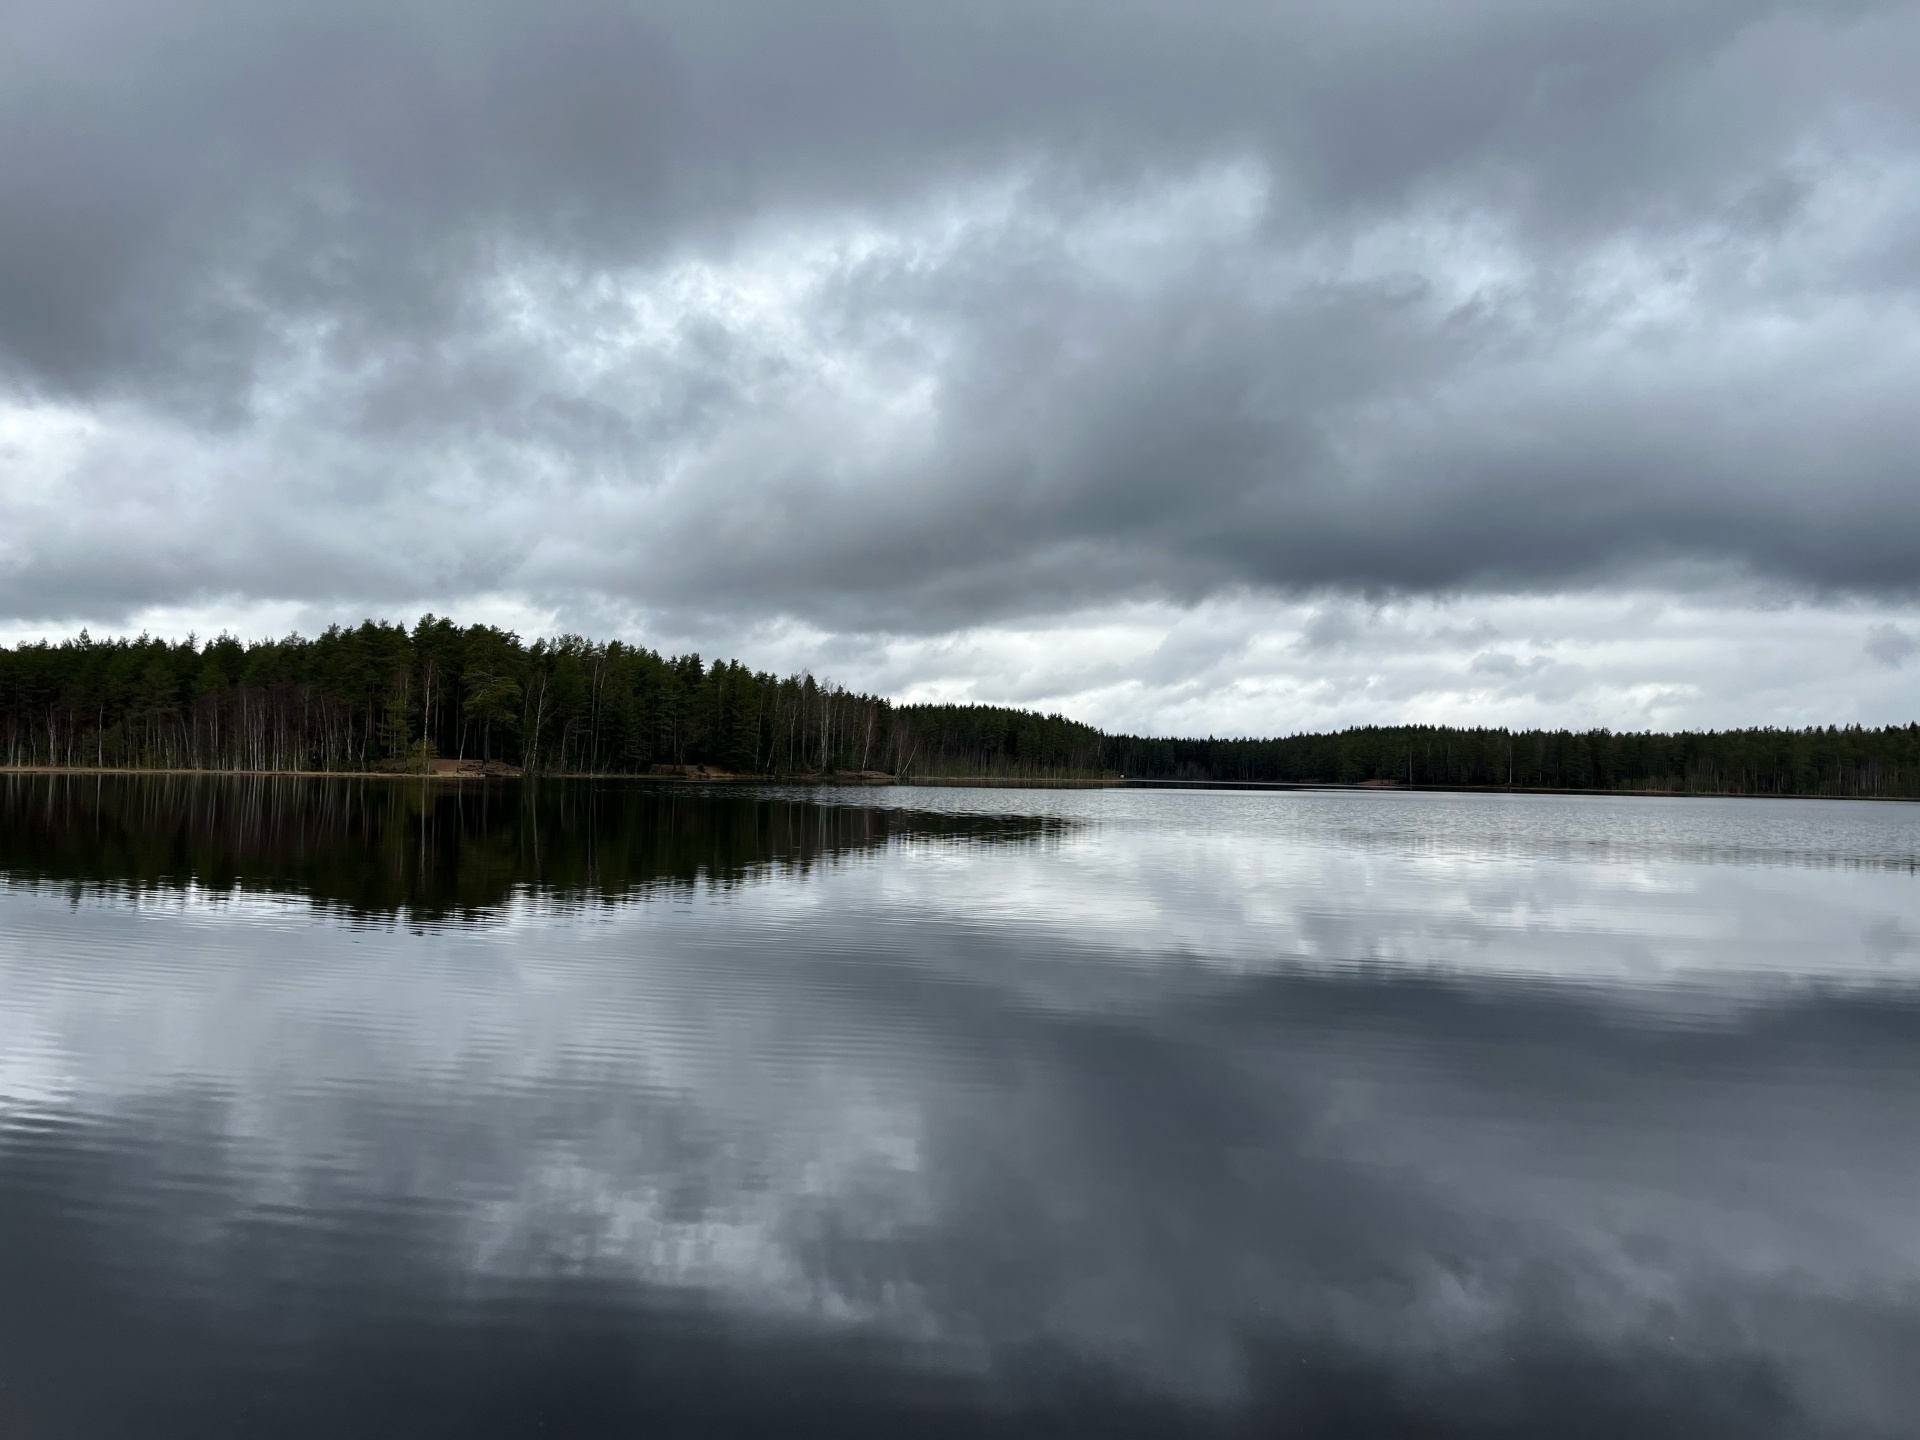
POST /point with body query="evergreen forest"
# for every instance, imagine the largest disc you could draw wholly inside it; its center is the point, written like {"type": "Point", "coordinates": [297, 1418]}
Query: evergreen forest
{"type": "Point", "coordinates": [380, 696]}
{"type": "Point", "coordinates": [383, 697]}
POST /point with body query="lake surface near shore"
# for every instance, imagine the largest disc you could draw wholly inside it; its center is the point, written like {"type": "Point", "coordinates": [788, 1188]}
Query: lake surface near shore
{"type": "Point", "coordinates": [338, 1107]}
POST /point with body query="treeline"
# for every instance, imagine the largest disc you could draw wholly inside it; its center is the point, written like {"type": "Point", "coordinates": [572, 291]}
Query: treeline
{"type": "Point", "coordinates": [1834, 760]}
{"type": "Point", "coordinates": [381, 696]}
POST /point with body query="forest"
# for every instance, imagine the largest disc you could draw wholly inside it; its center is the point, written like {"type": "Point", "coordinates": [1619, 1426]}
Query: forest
{"type": "Point", "coordinates": [382, 697]}
{"type": "Point", "coordinates": [1831, 760]}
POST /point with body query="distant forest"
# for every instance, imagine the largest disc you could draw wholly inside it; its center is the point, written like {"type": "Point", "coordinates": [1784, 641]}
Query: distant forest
{"type": "Point", "coordinates": [383, 697]}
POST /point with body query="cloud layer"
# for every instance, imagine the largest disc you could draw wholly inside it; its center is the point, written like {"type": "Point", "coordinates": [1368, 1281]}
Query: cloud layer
{"type": "Point", "coordinates": [898, 324]}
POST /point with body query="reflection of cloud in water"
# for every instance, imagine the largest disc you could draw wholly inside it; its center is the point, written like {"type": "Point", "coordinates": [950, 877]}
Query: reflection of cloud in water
{"type": "Point", "coordinates": [1746, 831]}
{"type": "Point", "coordinates": [1277, 894]}
{"type": "Point", "coordinates": [1220, 1117]}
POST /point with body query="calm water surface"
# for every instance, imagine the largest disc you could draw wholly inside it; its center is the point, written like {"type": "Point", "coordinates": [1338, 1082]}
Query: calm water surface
{"type": "Point", "coordinates": [353, 1109]}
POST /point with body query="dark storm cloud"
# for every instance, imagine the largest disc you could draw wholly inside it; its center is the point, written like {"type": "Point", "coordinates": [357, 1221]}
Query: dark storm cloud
{"type": "Point", "coordinates": [908, 316]}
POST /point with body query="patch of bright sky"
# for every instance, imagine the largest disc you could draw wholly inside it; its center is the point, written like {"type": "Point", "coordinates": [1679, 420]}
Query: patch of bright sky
{"type": "Point", "coordinates": [1253, 665]}
{"type": "Point", "coordinates": [40, 444]}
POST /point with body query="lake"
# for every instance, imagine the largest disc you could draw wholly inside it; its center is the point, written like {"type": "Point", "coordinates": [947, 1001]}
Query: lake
{"type": "Point", "coordinates": [365, 1108]}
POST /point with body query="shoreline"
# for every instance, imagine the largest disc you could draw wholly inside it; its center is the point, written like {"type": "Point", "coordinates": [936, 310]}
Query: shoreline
{"type": "Point", "coordinates": [955, 782]}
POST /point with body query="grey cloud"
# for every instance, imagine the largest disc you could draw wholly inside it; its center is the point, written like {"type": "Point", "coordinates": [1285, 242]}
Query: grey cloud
{"type": "Point", "coordinates": [383, 301]}
{"type": "Point", "coordinates": [1890, 646]}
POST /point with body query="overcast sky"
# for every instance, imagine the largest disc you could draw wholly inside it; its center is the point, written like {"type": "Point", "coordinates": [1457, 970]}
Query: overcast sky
{"type": "Point", "coordinates": [1189, 366]}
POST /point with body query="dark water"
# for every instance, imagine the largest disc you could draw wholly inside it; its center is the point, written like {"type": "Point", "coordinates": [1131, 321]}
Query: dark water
{"type": "Point", "coordinates": [337, 1109]}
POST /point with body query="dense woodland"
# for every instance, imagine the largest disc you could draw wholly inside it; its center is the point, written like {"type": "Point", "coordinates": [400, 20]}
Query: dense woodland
{"type": "Point", "coordinates": [1818, 761]}
{"type": "Point", "coordinates": [381, 696]}
{"type": "Point", "coordinates": [384, 697]}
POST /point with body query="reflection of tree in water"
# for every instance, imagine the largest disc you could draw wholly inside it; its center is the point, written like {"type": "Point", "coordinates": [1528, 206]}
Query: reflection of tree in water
{"type": "Point", "coordinates": [379, 847]}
